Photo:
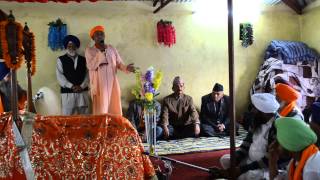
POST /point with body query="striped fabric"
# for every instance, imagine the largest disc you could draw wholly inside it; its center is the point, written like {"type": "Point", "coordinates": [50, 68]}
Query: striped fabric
{"type": "Point", "coordinates": [192, 145]}
{"type": "Point", "coordinates": [290, 52]}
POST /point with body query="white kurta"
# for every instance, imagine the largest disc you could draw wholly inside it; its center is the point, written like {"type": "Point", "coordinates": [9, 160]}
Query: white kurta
{"type": "Point", "coordinates": [73, 103]}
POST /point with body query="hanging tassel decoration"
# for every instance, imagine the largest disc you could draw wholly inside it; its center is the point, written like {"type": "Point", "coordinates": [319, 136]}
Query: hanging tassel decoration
{"type": "Point", "coordinates": [57, 31]}
{"type": "Point", "coordinates": [246, 34]}
{"type": "Point", "coordinates": [166, 33]}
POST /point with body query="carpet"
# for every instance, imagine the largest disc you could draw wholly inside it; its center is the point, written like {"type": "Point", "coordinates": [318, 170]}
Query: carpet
{"type": "Point", "coordinates": [192, 145]}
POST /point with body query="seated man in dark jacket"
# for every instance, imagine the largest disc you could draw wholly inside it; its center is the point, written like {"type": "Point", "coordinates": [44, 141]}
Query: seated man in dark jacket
{"type": "Point", "coordinates": [214, 112]}
{"type": "Point", "coordinates": [5, 94]}
{"type": "Point", "coordinates": [135, 116]}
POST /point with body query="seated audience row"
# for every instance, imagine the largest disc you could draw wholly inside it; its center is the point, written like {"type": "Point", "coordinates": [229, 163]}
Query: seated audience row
{"type": "Point", "coordinates": [178, 117]}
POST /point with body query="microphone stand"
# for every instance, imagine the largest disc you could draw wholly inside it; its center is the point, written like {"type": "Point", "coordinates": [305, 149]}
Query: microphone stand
{"type": "Point", "coordinates": [179, 162]}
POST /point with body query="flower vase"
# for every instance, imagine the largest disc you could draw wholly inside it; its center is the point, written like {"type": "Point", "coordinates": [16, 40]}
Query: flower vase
{"type": "Point", "coordinates": [150, 128]}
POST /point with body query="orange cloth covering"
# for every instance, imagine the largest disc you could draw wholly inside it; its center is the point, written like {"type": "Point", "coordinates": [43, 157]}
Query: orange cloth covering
{"type": "Point", "coordinates": [295, 173]}
{"type": "Point", "coordinates": [95, 29]}
{"type": "Point", "coordinates": [87, 147]}
{"type": "Point", "coordinates": [1, 106]}
{"type": "Point", "coordinates": [287, 94]}
{"type": "Point", "coordinates": [10, 166]}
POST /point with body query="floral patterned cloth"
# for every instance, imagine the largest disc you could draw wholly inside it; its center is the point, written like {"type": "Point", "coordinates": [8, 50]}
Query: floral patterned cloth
{"type": "Point", "coordinates": [10, 165]}
{"type": "Point", "coordinates": [86, 147]}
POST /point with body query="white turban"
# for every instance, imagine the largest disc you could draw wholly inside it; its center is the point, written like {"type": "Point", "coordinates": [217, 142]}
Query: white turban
{"type": "Point", "coordinates": [265, 102]}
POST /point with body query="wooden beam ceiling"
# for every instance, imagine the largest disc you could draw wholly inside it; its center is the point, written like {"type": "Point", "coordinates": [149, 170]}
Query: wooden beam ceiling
{"type": "Point", "coordinates": [293, 4]}
{"type": "Point", "coordinates": [163, 3]}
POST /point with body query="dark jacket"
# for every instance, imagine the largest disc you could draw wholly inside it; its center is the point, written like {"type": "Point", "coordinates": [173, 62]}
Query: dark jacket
{"type": "Point", "coordinates": [135, 112]}
{"type": "Point", "coordinates": [212, 113]}
{"type": "Point", "coordinates": [178, 112]}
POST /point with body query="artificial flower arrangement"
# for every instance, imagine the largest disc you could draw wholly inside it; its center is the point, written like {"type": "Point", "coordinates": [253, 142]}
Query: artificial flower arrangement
{"type": "Point", "coordinates": [147, 85]}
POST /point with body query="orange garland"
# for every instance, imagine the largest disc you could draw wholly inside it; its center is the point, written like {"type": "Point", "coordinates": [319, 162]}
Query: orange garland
{"type": "Point", "coordinates": [5, 48]}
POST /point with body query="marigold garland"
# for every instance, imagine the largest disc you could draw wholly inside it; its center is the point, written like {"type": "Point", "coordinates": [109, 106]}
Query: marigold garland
{"type": "Point", "coordinates": [5, 48]}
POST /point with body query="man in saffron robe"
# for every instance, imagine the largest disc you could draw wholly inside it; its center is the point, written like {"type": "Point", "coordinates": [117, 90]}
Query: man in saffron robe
{"type": "Point", "coordinates": [103, 61]}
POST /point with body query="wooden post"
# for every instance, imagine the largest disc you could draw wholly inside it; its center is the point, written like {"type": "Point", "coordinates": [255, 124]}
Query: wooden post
{"type": "Point", "coordinates": [231, 87]}
{"type": "Point", "coordinates": [27, 45]}
{"type": "Point", "coordinates": [12, 35]}
{"type": "Point", "coordinates": [14, 95]}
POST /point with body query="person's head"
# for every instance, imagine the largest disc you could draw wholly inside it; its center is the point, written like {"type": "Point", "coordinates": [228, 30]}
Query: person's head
{"type": "Point", "coordinates": [294, 135]}
{"type": "Point", "coordinates": [178, 85]}
{"type": "Point", "coordinates": [71, 43]}
{"type": "Point", "coordinates": [97, 34]}
{"type": "Point", "coordinates": [285, 94]}
{"type": "Point", "coordinates": [217, 92]}
{"type": "Point", "coordinates": [265, 105]}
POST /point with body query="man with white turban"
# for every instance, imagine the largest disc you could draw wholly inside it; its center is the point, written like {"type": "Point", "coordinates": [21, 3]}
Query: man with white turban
{"type": "Point", "coordinates": [251, 157]}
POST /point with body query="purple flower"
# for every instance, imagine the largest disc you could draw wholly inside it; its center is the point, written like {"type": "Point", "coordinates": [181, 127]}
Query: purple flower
{"type": "Point", "coordinates": [149, 75]}
{"type": "Point", "coordinates": [148, 87]}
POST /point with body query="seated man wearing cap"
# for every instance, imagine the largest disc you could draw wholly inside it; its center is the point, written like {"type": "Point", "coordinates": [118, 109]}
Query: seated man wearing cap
{"type": "Point", "coordinates": [180, 118]}
{"type": "Point", "coordinates": [136, 117]}
{"type": "Point", "coordinates": [73, 78]}
{"type": "Point", "coordinates": [103, 61]}
{"type": "Point", "coordinates": [315, 120]}
{"type": "Point", "coordinates": [252, 156]}
{"type": "Point", "coordinates": [297, 139]}
{"type": "Point", "coordinates": [214, 111]}
{"type": "Point", "coordinates": [287, 98]}
{"type": "Point", "coordinates": [5, 93]}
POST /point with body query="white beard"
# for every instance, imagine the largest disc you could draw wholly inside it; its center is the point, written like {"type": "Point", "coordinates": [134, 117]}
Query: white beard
{"type": "Point", "coordinates": [71, 53]}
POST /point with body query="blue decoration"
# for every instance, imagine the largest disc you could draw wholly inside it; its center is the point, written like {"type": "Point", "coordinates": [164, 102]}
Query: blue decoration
{"type": "Point", "coordinates": [57, 32]}
{"type": "Point", "coordinates": [4, 70]}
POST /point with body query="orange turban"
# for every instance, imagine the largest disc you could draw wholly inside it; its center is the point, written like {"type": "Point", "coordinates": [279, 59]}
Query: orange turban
{"type": "Point", "coordinates": [95, 29]}
{"type": "Point", "coordinates": [286, 93]}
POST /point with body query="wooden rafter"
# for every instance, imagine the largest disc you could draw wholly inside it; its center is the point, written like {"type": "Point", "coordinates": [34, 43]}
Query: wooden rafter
{"type": "Point", "coordinates": [293, 4]}
{"type": "Point", "coordinates": [155, 2]}
{"type": "Point", "coordinates": [163, 3]}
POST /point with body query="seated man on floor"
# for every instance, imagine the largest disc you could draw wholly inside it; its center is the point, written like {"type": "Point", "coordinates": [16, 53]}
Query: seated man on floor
{"type": "Point", "coordinates": [136, 117]}
{"type": "Point", "coordinates": [180, 118]}
{"type": "Point", "coordinates": [5, 93]}
{"type": "Point", "coordinates": [214, 115]}
{"type": "Point", "coordinates": [252, 156]}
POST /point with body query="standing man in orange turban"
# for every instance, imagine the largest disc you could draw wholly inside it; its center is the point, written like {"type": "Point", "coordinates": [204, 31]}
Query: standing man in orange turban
{"type": "Point", "coordinates": [103, 61]}
{"type": "Point", "coordinates": [287, 97]}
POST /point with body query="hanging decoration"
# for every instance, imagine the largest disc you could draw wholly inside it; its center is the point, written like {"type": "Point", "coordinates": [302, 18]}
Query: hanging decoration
{"type": "Point", "coordinates": [11, 52]}
{"type": "Point", "coordinates": [29, 50]}
{"type": "Point", "coordinates": [166, 33]}
{"type": "Point", "coordinates": [246, 34]}
{"type": "Point", "coordinates": [4, 70]}
{"type": "Point", "coordinates": [57, 31]}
